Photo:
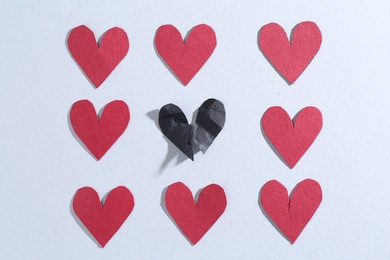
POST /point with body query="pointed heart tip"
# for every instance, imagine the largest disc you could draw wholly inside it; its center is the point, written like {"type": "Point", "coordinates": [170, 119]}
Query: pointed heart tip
{"type": "Point", "coordinates": [97, 84]}
{"type": "Point", "coordinates": [289, 81]}
{"type": "Point", "coordinates": [292, 240]}
{"type": "Point", "coordinates": [290, 166]}
{"type": "Point", "coordinates": [98, 157]}
{"type": "Point", "coordinates": [188, 152]}
{"type": "Point", "coordinates": [194, 242]}
{"type": "Point", "coordinates": [185, 83]}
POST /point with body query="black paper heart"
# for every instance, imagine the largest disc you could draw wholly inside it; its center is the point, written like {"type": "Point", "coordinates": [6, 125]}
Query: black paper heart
{"type": "Point", "coordinates": [175, 127]}
{"type": "Point", "coordinates": [210, 120]}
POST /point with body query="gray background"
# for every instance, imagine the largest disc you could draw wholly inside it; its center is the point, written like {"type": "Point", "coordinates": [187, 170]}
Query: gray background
{"type": "Point", "coordinates": [42, 164]}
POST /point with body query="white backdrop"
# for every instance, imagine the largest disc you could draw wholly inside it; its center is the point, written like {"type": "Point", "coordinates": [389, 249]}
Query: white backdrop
{"type": "Point", "coordinates": [42, 164]}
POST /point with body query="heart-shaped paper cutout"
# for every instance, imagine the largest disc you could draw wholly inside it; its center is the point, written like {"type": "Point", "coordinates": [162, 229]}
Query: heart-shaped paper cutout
{"type": "Point", "coordinates": [209, 122]}
{"type": "Point", "coordinates": [291, 215]}
{"type": "Point", "coordinates": [291, 139]}
{"type": "Point", "coordinates": [290, 58]}
{"type": "Point", "coordinates": [103, 221]}
{"type": "Point", "coordinates": [98, 61]}
{"type": "Point", "coordinates": [98, 135]}
{"type": "Point", "coordinates": [185, 58]}
{"type": "Point", "coordinates": [195, 219]}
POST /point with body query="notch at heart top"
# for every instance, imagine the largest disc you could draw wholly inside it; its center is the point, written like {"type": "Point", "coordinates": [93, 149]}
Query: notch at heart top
{"type": "Point", "coordinates": [98, 60]}
{"type": "Point", "coordinates": [185, 57]}
{"type": "Point", "coordinates": [195, 218]}
{"type": "Point", "coordinates": [98, 134]}
{"type": "Point", "coordinates": [209, 122]}
{"type": "Point", "coordinates": [291, 213]}
{"type": "Point", "coordinates": [290, 58]}
{"type": "Point", "coordinates": [103, 220]}
{"type": "Point", "coordinates": [291, 138]}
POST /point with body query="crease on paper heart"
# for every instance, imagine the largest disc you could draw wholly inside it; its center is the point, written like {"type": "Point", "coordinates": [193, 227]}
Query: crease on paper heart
{"type": "Point", "coordinates": [194, 217]}
{"type": "Point", "coordinates": [209, 121]}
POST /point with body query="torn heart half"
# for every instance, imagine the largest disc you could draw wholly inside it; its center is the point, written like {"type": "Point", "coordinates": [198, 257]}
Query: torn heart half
{"type": "Point", "coordinates": [290, 58]}
{"type": "Point", "coordinates": [98, 135]}
{"type": "Point", "coordinates": [103, 221]}
{"type": "Point", "coordinates": [195, 218]}
{"type": "Point", "coordinates": [98, 60]}
{"type": "Point", "coordinates": [209, 122]}
{"type": "Point", "coordinates": [291, 139]}
{"type": "Point", "coordinates": [291, 215]}
{"type": "Point", "coordinates": [185, 57]}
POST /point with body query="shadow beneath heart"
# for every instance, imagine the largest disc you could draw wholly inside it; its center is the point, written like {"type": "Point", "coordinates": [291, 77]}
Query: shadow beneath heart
{"type": "Point", "coordinates": [172, 152]}
{"type": "Point", "coordinates": [163, 61]}
{"type": "Point", "coordinates": [82, 71]}
{"type": "Point", "coordinates": [271, 145]}
{"type": "Point", "coordinates": [162, 204]}
{"type": "Point", "coordinates": [81, 225]}
{"type": "Point", "coordinates": [77, 137]}
{"type": "Point", "coordinates": [269, 219]}
{"type": "Point", "coordinates": [277, 71]}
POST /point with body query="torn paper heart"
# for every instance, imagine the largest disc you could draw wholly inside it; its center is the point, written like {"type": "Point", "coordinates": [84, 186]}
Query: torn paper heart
{"type": "Point", "coordinates": [291, 139]}
{"type": "Point", "coordinates": [98, 135]}
{"type": "Point", "coordinates": [195, 218]}
{"type": "Point", "coordinates": [291, 215]}
{"type": "Point", "coordinates": [103, 221]}
{"type": "Point", "coordinates": [174, 125]}
{"type": "Point", "coordinates": [290, 58]}
{"type": "Point", "coordinates": [185, 58]}
{"type": "Point", "coordinates": [98, 61]}
{"type": "Point", "coordinates": [210, 120]}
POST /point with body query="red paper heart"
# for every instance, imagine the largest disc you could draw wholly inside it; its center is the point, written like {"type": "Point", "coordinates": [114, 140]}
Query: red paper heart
{"type": "Point", "coordinates": [195, 219]}
{"type": "Point", "coordinates": [185, 58]}
{"type": "Point", "coordinates": [103, 221]}
{"type": "Point", "coordinates": [290, 58]}
{"type": "Point", "coordinates": [291, 215]}
{"type": "Point", "coordinates": [291, 140]}
{"type": "Point", "coordinates": [98, 135]}
{"type": "Point", "coordinates": [98, 62]}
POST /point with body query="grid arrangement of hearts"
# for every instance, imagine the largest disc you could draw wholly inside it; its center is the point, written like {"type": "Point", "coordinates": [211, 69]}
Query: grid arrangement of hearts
{"type": "Point", "coordinates": [290, 138]}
